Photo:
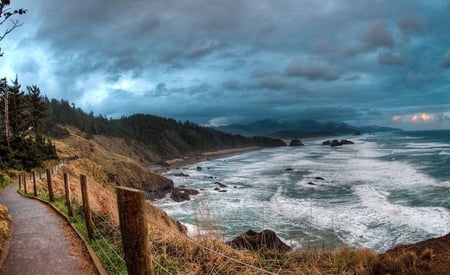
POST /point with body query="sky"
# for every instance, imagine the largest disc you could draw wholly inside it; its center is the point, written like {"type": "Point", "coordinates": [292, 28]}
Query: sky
{"type": "Point", "coordinates": [217, 62]}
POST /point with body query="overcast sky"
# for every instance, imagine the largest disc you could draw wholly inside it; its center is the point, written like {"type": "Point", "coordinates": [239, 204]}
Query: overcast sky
{"type": "Point", "coordinates": [217, 62]}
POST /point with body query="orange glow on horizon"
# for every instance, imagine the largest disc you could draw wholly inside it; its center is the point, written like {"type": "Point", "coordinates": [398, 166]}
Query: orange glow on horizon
{"type": "Point", "coordinates": [415, 118]}
{"type": "Point", "coordinates": [423, 117]}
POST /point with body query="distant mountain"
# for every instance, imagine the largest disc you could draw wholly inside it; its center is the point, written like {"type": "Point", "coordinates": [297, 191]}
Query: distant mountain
{"type": "Point", "coordinates": [299, 129]}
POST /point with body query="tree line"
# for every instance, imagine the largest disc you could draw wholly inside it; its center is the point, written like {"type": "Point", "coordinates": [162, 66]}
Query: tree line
{"type": "Point", "coordinates": [22, 144]}
{"type": "Point", "coordinates": [164, 136]}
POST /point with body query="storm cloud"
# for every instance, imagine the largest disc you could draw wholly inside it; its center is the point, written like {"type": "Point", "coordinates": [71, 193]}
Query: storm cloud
{"type": "Point", "coordinates": [214, 62]}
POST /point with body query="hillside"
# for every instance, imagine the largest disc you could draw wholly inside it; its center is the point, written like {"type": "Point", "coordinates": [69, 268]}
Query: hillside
{"type": "Point", "coordinates": [155, 137]}
{"type": "Point", "coordinates": [111, 160]}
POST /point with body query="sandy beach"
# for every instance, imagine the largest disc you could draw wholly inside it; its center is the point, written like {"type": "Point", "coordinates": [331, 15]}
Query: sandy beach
{"type": "Point", "coordinates": [189, 160]}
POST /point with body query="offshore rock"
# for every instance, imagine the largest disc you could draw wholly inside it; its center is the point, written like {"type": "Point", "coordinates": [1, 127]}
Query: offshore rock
{"type": "Point", "coordinates": [184, 175]}
{"type": "Point", "coordinates": [220, 184]}
{"type": "Point", "coordinates": [344, 142]}
{"type": "Point", "coordinates": [182, 194]}
{"type": "Point", "coordinates": [265, 240]}
{"type": "Point", "coordinates": [296, 142]}
{"type": "Point", "coordinates": [336, 142]}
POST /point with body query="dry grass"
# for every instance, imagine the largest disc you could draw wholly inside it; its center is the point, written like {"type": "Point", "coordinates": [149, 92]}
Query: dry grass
{"type": "Point", "coordinates": [5, 223]}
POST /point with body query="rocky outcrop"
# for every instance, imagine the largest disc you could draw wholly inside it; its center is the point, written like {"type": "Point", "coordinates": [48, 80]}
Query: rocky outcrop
{"type": "Point", "coordinates": [344, 142]}
{"type": "Point", "coordinates": [296, 142]}
{"type": "Point", "coordinates": [265, 240]}
{"type": "Point", "coordinates": [220, 184]}
{"type": "Point", "coordinates": [335, 142]}
{"type": "Point", "coordinates": [182, 194]}
{"type": "Point", "coordinates": [183, 175]}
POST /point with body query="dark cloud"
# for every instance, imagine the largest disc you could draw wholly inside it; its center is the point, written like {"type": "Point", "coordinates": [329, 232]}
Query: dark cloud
{"type": "Point", "coordinates": [231, 84]}
{"type": "Point", "coordinates": [272, 82]}
{"type": "Point", "coordinates": [410, 24]}
{"type": "Point", "coordinates": [378, 36]}
{"type": "Point", "coordinates": [311, 69]}
{"type": "Point", "coordinates": [391, 59]}
{"type": "Point", "coordinates": [205, 50]}
{"type": "Point", "coordinates": [446, 60]}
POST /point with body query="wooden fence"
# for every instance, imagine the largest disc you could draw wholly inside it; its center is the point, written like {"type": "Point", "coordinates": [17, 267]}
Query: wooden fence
{"type": "Point", "coordinates": [131, 205]}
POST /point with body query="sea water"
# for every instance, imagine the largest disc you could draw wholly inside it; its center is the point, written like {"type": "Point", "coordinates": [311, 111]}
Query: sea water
{"type": "Point", "coordinates": [385, 189]}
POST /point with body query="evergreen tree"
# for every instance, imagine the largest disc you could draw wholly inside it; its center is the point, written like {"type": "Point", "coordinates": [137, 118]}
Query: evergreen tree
{"type": "Point", "coordinates": [4, 100]}
{"type": "Point", "coordinates": [18, 116]}
{"type": "Point", "coordinates": [37, 108]}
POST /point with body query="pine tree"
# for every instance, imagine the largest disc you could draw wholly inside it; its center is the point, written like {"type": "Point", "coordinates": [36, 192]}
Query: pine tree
{"type": "Point", "coordinates": [4, 100]}
{"type": "Point", "coordinates": [17, 109]}
{"type": "Point", "coordinates": [37, 108]}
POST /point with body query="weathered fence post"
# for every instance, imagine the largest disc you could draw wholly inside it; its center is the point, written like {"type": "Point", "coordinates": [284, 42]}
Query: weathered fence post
{"type": "Point", "coordinates": [87, 211]}
{"type": "Point", "coordinates": [51, 195]}
{"type": "Point", "coordinates": [133, 227]}
{"type": "Point", "coordinates": [24, 179]}
{"type": "Point", "coordinates": [33, 174]}
{"type": "Point", "coordinates": [68, 201]}
{"type": "Point", "coordinates": [20, 181]}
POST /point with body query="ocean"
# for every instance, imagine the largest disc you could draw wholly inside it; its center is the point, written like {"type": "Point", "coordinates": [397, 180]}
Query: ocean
{"type": "Point", "coordinates": [386, 189]}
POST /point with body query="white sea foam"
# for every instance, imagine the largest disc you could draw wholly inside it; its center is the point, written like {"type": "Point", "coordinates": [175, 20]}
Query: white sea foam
{"type": "Point", "coordinates": [427, 145]}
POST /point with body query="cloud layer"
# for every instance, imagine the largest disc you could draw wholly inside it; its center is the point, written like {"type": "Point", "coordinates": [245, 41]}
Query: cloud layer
{"type": "Point", "coordinates": [212, 61]}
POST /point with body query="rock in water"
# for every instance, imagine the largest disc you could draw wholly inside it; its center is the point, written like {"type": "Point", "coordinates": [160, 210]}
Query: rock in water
{"type": "Point", "coordinates": [220, 184]}
{"type": "Point", "coordinates": [184, 175]}
{"type": "Point", "coordinates": [179, 195]}
{"type": "Point", "coordinates": [296, 142]}
{"type": "Point", "coordinates": [262, 241]}
{"type": "Point", "coordinates": [335, 142]}
{"type": "Point", "coordinates": [327, 142]}
{"type": "Point", "coordinates": [344, 142]}
{"type": "Point", "coordinates": [182, 194]}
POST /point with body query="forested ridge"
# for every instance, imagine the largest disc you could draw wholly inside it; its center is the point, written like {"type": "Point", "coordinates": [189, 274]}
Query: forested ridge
{"type": "Point", "coordinates": [165, 136]}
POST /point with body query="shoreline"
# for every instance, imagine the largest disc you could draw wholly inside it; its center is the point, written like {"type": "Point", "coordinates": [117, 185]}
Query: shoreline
{"type": "Point", "coordinates": [178, 163]}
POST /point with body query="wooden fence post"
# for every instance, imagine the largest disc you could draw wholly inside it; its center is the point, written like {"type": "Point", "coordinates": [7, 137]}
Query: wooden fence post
{"type": "Point", "coordinates": [51, 195]}
{"type": "Point", "coordinates": [133, 227]}
{"type": "Point", "coordinates": [87, 211]}
{"type": "Point", "coordinates": [33, 174]}
{"type": "Point", "coordinates": [68, 201]}
{"type": "Point", "coordinates": [20, 181]}
{"type": "Point", "coordinates": [24, 179]}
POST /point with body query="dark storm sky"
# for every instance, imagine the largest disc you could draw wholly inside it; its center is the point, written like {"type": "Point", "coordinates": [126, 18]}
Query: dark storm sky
{"type": "Point", "coordinates": [218, 62]}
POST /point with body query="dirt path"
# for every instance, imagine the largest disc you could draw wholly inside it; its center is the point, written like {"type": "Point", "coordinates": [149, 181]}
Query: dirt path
{"type": "Point", "coordinates": [41, 243]}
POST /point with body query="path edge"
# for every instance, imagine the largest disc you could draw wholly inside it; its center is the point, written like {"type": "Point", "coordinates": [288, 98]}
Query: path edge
{"type": "Point", "coordinates": [5, 252]}
{"type": "Point", "coordinates": [98, 265]}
